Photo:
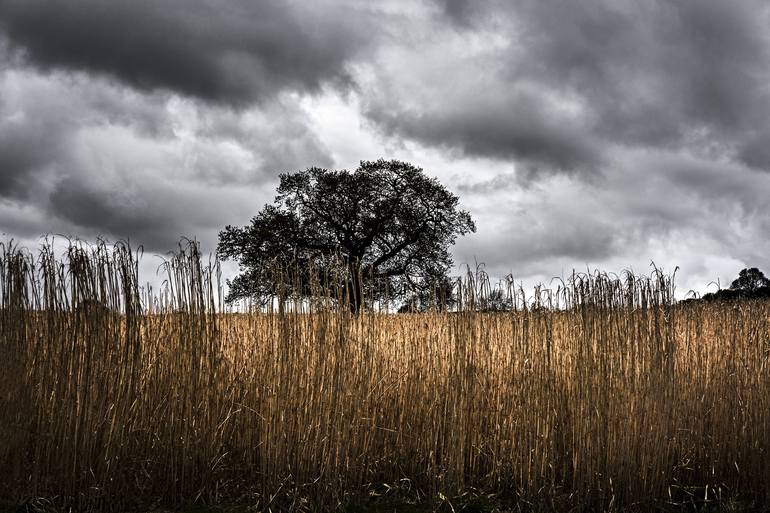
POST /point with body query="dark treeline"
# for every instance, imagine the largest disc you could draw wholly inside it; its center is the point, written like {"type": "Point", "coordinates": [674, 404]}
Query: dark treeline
{"type": "Point", "coordinates": [751, 283]}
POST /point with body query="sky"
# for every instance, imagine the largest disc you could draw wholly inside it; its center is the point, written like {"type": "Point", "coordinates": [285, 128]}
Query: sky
{"type": "Point", "coordinates": [591, 134]}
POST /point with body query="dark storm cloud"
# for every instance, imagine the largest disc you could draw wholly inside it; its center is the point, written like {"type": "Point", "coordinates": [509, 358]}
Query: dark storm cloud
{"type": "Point", "coordinates": [41, 116]}
{"type": "Point", "coordinates": [86, 157]}
{"type": "Point", "coordinates": [153, 214]}
{"type": "Point", "coordinates": [116, 118]}
{"type": "Point", "coordinates": [110, 211]}
{"type": "Point", "coordinates": [38, 118]}
{"type": "Point", "coordinates": [18, 159]}
{"type": "Point", "coordinates": [519, 126]}
{"type": "Point", "coordinates": [30, 140]}
{"type": "Point", "coordinates": [230, 51]}
{"type": "Point", "coordinates": [652, 73]}
{"type": "Point", "coordinates": [459, 12]}
{"type": "Point", "coordinates": [583, 242]}
{"type": "Point", "coordinates": [560, 82]}
{"type": "Point", "coordinates": [706, 216]}
{"type": "Point", "coordinates": [755, 152]}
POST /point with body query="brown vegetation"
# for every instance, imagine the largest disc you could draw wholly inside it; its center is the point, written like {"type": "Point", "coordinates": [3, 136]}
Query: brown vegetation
{"type": "Point", "coordinates": [607, 394]}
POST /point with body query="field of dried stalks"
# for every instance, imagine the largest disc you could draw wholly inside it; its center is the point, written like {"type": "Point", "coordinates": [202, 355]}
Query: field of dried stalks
{"type": "Point", "coordinates": [605, 393]}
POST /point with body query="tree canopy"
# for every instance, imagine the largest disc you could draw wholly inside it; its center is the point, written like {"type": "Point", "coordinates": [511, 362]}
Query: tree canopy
{"type": "Point", "coordinates": [750, 279]}
{"type": "Point", "coordinates": [751, 283]}
{"type": "Point", "coordinates": [439, 295]}
{"type": "Point", "coordinates": [385, 228]}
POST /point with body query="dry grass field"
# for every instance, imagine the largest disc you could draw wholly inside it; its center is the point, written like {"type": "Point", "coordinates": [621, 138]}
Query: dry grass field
{"type": "Point", "coordinates": [603, 395]}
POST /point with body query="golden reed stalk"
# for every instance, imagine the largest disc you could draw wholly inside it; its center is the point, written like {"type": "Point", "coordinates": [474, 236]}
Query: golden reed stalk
{"type": "Point", "coordinates": [602, 393]}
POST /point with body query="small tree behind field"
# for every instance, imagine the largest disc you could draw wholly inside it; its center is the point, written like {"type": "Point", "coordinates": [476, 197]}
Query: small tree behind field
{"type": "Point", "coordinates": [750, 279]}
{"type": "Point", "coordinates": [751, 283]}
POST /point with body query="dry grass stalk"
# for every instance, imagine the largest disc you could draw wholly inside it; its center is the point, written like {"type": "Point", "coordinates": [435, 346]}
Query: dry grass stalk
{"type": "Point", "coordinates": [603, 392]}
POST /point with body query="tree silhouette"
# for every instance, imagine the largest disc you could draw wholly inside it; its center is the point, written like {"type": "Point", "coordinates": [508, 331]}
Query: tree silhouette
{"type": "Point", "coordinates": [384, 229]}
{"type": "Point", "coordinates": [750, 279]}
{"type": "Point", "coordinates": [497, 300]}
{"type": "Point", "coordinates": [438, 294]}
{"type": "Point", "coordinates": [751, 283]}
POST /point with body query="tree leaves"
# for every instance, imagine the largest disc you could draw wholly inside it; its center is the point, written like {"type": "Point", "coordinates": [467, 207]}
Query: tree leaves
{"type": "Point", "coordinates": [387, 220]}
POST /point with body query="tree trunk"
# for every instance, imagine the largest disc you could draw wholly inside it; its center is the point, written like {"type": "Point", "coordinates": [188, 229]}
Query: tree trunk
{"type": "Point", "coordinates": [355, 292]}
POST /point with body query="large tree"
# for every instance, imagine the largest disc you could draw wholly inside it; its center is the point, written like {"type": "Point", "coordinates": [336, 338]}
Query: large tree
{"type": "Point", "coordinates": [383, 229]}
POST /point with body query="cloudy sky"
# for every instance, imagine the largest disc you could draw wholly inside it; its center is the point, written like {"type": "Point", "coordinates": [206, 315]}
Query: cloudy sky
{"type": "Point", "coordinates": [599, 134]}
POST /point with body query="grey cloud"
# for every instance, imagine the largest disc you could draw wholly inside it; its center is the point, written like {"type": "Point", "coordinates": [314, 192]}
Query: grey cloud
{"type": "Point", "coordinates": [500, 182]}
{"type": "Point", "coordinates": [698, 194]}
{"type": "Point", "coordinates": [583, 240]}
{"type": "Point", "coordinates": [155, 215]}
{"type": "Point", "coordinates": [277, 133]}
{"type": "Point", "coordinates": [96, 158]}
{"type": "Point", "coordinates": [653, 72]}
{"type": "Point", "coordinates": [459, 12]}
{"type": "Point", "coordinates": [232, 52]}
{"type": "Point", "coordinates": [110, 211]}
{"type": "Point", "coordinates": [29, 142]}
{"type": "Point", "coordinates": [664, 75]}
{"type": "Point", "coordinates": [528, 247]}
{"type": "Point", "coordinates": [756, 151]}
{"type": "Point", "coordinates": [40, 115]}
{"type": "Point", "coordinates": [22, 151]}
{"type": "Point", "coordinates": [21, 220]}
{"type": "Point", "coordinates": [519, 126]}
{"type": "Point", "coordinates": [673, 208]}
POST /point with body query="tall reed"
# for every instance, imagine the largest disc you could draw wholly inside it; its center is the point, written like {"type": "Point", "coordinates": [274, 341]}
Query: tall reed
{"type": "Point", "coordinates": [601, 392]}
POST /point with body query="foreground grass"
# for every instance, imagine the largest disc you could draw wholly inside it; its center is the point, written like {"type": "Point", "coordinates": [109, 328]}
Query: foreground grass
{"type": "Point", "coordinates": [394, 500]}
{"type": "Point", "coordinates": [602, 395]}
